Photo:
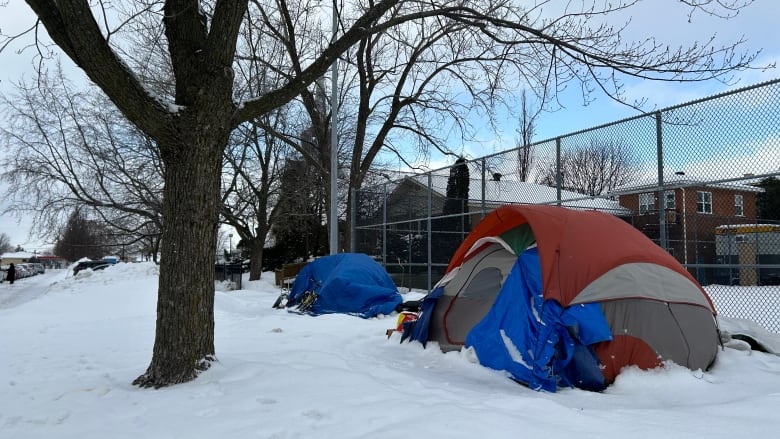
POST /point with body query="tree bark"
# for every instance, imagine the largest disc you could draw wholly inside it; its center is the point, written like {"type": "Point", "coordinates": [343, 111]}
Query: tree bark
{"type": "Point", "coordinates": [256, 259]}
{"type": "Point", "coordinates": [184, 340]}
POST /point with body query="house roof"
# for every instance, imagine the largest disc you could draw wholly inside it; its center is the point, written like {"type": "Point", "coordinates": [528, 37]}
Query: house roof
{"type": "Point", "coordinates": [521, 192]}
{"type": "Point", "coordinates": [676, 181]}
{"type": "Point", "coordinates": [18, 255]}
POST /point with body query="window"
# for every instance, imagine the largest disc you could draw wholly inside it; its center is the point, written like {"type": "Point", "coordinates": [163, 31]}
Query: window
{"type": "Point", "coordinates": [704, 202]}
{"type": "Point", "coordinates": [738, 206]}
{"type": "Point", "coordinates": [646, 203]}
{"type": "Point", "coordinates": [669, 202]}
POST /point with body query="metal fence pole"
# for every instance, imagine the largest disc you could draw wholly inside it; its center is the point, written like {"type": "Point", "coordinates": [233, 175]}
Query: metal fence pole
{"type": "Point", "coordinates": [430, 233]}
{"type": "Point", "coordinates": [352, 219]}
{"type": "Point", "coordinates": [663, 242]}
{"type": "Point", "coordinates": [558, 176]}
{"type": "Point", "coordinates": [384, 224]}
{"type": "Point", "coordinates": [484, 186]}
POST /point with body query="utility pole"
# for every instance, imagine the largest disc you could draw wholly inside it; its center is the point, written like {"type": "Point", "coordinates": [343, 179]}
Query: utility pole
{"type": "Point", "coordinates": [334, 145]}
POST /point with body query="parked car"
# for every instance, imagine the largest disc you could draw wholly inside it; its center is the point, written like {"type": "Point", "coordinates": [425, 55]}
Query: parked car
{"type": "Point", "coordinates": [23, 271]}
{"type": "Point", "coordinates": [93, 265]}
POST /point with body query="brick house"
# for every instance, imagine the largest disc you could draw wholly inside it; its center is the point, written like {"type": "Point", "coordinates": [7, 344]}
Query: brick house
{"type": "Point", "coordinates": [692, 210]}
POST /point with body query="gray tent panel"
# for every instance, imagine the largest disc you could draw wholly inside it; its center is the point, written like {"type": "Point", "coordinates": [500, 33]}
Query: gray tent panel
{"type": "Point", "coordinates": [476, 287]}
{"type": "Point", "coordinates": [683, 333]}
{"type": "Point", "coordinates": [645, 280]}
{"type": "Point", "coordinates": [493, 256]}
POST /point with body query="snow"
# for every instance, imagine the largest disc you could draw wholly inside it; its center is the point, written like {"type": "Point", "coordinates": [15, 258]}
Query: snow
{"type": "Point", "coordinates": [17, 255]}
{"type": "Point", "coordinates": [522, 192]}
{"type": "Point", "coordinates": [71, 346]}
{"type": "Point", "coordinates": [682, 180]}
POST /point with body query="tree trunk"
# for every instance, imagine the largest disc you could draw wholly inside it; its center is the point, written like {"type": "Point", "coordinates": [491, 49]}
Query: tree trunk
{"type": "Point", "coordinates": [256, 258]}
{"type": "Point", "coordinates": [184, 340]}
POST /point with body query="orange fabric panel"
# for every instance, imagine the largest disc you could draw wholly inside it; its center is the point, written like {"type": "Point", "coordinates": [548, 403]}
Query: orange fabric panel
{"type": "Point", "coordinates": [589, 244]}
{"type": "Point", "coordinates": [575, 246]}
{"type": "Point", "coordinates": [625, 350]}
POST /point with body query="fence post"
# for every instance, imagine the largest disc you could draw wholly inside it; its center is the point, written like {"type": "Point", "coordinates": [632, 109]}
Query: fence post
{"type": "Point", "coordinates": [484, 185]}
{"type": "Point", "coordinates": [430, 234]}
{"type": "Point", "coordinates": [352, 220]}
{"type": "Point", "coordinates": [558, 176]}
{"type": "Point", "coordinates": [384, 224]}
{"type": "Point", "coordinates": [662, 239]}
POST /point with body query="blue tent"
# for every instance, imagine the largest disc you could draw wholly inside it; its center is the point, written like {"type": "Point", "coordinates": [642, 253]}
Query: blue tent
{"type": "Point", "coordinates": [350, 283]}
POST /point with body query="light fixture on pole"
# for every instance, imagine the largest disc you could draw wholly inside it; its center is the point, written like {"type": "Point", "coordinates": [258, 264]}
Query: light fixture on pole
{"type": "Point", "coordinates": [230, 244]}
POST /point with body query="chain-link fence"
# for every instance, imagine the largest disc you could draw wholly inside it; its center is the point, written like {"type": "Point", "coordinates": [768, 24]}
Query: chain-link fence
{"type": "Point", "coordinates": [699, 179]}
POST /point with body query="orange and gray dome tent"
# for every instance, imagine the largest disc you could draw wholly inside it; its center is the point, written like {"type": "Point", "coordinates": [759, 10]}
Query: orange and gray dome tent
{"type": "Point", "coordinates": [561, 297]}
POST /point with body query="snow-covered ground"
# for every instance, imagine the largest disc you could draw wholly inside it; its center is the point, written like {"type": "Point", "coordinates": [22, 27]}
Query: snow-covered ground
{"type": "Point", "coordinates": [70, 347]}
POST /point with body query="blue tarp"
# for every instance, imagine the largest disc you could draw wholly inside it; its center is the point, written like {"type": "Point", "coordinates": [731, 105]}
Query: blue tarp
{"type": "Point", "coordinates": [418, 330]}
{"type": "Point", "coordinates": [538, 342]}
{"type": "Point", "coordinates": [350, 283]}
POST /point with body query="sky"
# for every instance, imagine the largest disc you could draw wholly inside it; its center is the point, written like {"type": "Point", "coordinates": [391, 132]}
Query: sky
{"type": "Point", "coordinates": [71, 346]}
{"type": "Point", "coordinates": [667, 19]}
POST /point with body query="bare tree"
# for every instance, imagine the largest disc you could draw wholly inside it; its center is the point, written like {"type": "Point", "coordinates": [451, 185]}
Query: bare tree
{"type": "Point", "coordinates": [192, 126]}
{"type": "Point", "coordinates": [250, 197]}
{"type": "Point", "coordinates": [191, 132]}
{"type": "Point", "coordinates": [5, 243]}
{"type": "Point", "coordinates": [592, 169]}
{"type": "Point", "coordinates": [526, 131]}
{"type": "Point", "coordinates": [69, 149]}
{"type": "Point", "coordinates": [418, 82]}
{"type": "Point", "coordinates": [272, 53]}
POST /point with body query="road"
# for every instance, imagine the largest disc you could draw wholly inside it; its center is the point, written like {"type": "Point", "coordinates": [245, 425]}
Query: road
{"type": "Point", "coordinates": [24, 290]}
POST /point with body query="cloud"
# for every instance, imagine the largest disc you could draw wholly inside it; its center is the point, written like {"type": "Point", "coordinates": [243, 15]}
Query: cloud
{"type": "Point", "coordinates": [756, 158]}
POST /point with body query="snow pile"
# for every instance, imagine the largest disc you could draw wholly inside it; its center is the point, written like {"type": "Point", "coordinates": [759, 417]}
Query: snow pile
{"type": "Point", "coordinates": [71, 346]}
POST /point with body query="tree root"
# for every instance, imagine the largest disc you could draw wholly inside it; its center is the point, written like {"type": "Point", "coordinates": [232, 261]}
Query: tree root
{"type": "Point", "coordinates": [158, 380]}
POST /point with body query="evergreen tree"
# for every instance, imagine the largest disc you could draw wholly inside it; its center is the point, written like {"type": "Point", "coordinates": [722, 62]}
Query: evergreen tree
{"type": "Point", "coordinates": [80, 238]}
{"type": "Point", "coordinates": [302, 234]}
{"type": "Point", "coordinates": [457, 188]}
{"type": "Point", "coordinates": [455, 223]}
{"type": "Point", "coordinates": [457, 202]}
{"type": "Point", "coordinates": [769, 200]}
